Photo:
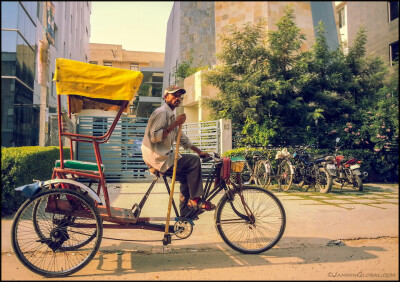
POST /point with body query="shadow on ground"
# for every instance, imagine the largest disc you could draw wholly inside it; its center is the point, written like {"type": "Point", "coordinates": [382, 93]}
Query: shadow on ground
{"type": "Point", "coordinates": [199, 257]}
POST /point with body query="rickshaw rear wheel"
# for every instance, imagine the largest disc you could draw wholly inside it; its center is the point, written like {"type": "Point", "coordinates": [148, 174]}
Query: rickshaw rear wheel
{"type": "Point", "coordinates": [65, 219]}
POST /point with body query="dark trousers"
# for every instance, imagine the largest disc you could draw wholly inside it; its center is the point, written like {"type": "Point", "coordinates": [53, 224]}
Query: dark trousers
{"type": "Point", "coordinates": [188, 173]}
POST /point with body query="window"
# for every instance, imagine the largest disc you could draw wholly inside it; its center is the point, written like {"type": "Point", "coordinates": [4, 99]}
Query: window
{"type": "Point", "coordinates": [342, 21]}
{"type": "Point", "coordinates": [40, 11]}
{"type": "Point", "coordinates": [52, 85]}
{"type": "Point", "coordinates": [108, 64]}
{"type": "Point", "coordinates": [55, 36]}
{"type": "Point", "coordinates": [393, 10]}
{"type": "Point", "coordinates": [394, 52]}
{"type": "Point", "coordinates": [135, 67]}
{"type": "Point", "coordinates": [94, 62]}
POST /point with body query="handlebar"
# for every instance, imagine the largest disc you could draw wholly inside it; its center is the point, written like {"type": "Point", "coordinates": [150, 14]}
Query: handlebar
{"type": "Point", "coordinates": [214, 156]}
{"type": "Point", "coordinates": [205, 160]}
{"type": "Point", "coordinates": [302, 149]}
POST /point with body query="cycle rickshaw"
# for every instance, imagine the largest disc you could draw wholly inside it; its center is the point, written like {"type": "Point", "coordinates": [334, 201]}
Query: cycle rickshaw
{"type": "Point", "coordinates": [58, 230]}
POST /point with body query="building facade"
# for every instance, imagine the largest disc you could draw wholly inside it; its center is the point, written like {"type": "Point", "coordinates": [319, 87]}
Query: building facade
{"type": "Point", "coordinates": [190, 34]}
{"type": "Point", "coordinates": [34, 34]}
{"type": "Point", "coordinates": [193, 33]}
{"type": "Point", "coordinates": [380, 20]}
{"type": "Point", "coordinates": [151, 64]}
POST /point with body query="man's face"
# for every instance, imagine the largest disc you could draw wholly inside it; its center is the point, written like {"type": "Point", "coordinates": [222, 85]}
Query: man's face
{"type": "Point", "coordinates": [174, 99]}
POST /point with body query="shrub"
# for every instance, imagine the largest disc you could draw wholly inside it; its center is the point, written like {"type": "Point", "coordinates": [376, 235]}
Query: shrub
{"type": "Point", "coordinates": [19, 166]}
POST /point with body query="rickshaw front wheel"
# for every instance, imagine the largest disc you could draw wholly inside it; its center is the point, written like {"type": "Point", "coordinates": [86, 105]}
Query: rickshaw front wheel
{"type": "Point", "coordinates": [252, 234]}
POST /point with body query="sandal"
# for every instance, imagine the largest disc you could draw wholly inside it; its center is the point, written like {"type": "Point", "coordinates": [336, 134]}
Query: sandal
{"type": "Point", "coordinates": [206, 205]}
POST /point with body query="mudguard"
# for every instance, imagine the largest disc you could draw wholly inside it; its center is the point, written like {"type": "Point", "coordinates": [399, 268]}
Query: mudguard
{"type": "Point", "coordinates": [30, 190]}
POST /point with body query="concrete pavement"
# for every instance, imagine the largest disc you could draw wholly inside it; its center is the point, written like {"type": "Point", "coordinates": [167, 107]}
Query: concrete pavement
{"type": "Point", "coordinates": [311, 217]}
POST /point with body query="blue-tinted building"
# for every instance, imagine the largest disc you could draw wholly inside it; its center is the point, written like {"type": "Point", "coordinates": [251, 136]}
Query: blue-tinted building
{"type": "Point", "coordinates": [28, 94]}
{"type": "Point", "coordinates": [19, 115]}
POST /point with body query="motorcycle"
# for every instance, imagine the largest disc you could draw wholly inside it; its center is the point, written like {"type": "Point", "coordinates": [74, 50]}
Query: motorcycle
{"type": "Point", "coordinates": [348, 171]}
{"type": "Point", "coordinates": [314, 173]}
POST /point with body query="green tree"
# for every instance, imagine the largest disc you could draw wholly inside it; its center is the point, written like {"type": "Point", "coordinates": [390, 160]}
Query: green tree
{"type": "Point", "coordinates": [364, 82]}
{"type": "Point", "coordinates": [243, 55]}
{"type": "Point", "coordinates": [259, 80]}
{"type": "Point", "coordinates": [186, 69]}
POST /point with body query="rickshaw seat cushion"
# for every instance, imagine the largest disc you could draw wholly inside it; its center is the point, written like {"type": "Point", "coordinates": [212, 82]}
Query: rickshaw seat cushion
{"type": "Point", "coordinates": [80, 165]}
{"type": "Point", "coordinates": [155, 172]}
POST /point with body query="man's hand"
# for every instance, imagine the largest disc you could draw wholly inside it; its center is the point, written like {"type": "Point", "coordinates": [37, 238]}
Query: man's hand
{"type": "Point", "coordinates": [180, 119]}
{"type": "Point", "coordinates": [177, 122]}
{"type": "Point", "coordinates": [204, 155]}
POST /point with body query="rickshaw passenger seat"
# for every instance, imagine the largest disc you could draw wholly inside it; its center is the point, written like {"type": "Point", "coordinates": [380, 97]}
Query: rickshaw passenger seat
{"type": "Point", "coordinates": [155, 172]}
{"type": "Point", "coordinates": [79, 165]}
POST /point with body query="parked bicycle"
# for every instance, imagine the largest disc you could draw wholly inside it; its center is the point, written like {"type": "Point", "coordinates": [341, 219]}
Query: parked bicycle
{"type": "Point", "coordinates": [282, 173]}
{"type": "Point", "coordinates": [255, 171]}
{"type": "Point", "coordinates": [312, 173]}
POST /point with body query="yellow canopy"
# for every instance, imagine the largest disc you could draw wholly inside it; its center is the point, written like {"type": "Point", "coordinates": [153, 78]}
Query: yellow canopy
{"type": "Point", "coordinates": [93, 81]}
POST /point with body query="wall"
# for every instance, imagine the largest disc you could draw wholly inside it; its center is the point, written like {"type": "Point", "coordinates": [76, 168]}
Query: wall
{"type": "Point", "coordinates": [72, 41]}
{"type": "Point", "coordinates": [374, 16]}
{"type": "Point", "coordinates": [72, 33]}
{"type": "Point", "coordinates": [325, 11]}
{"type": "Point", "coordinates": [196, 91]}
{"type": "Point", "coordinates": [240, 12]}
{"type": "Point", "coordinates": [190, 33]}
{"type": "Point", "coordinates": [172, 44]}
{"type": "Point", "coordinates": [122, 58]}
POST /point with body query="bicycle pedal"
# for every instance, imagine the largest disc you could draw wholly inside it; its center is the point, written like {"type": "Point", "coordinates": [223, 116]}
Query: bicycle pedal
{"type": "Point", "coordinates": [135, 210]}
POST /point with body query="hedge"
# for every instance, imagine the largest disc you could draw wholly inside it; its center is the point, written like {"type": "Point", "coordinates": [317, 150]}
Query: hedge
{"type": "Point", "coordinates": [382, 167]}
{"type": "Point", "coordinates": [19, 166]}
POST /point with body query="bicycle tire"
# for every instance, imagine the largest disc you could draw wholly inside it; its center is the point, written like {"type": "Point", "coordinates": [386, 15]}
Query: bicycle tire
{"type": "Point", "coordinates": [263, 173]}
{"type": "Point", "coordinates": [245, 175]}
{"type": "Point", "coordinates": [323, 181]}
{"type": "Point", "coordinates": [235, 228]}
{"type": "Point", "coordinates": [53, 256]}
{"type": "Point", "coordinates": [285, 175]}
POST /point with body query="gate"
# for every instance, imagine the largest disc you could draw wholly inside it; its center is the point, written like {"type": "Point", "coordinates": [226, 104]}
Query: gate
{"type": "Point", "coordinates": [122, 156]}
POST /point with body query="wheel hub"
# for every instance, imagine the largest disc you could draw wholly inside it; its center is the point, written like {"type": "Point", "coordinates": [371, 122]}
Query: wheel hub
{"type": "Point", "coordinates": [58, 235]}
{"type": "Point", "coordinates": [183, 228]}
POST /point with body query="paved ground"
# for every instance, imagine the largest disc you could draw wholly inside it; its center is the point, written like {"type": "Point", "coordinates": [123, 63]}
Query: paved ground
{"type": "Point", "coordinates": [342, 235]}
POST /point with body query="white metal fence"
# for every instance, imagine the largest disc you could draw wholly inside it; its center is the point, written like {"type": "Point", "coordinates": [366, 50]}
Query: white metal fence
{"type": "Point", "coordinates": [122, 155]}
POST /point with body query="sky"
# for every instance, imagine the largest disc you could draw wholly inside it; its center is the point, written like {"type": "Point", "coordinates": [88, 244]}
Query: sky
{"type": "Point", "coordinates": [137, 26]}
